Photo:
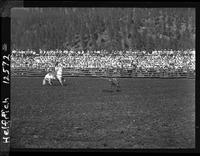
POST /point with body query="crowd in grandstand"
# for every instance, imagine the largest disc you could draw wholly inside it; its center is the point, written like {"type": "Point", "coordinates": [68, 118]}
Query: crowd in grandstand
{"type": "Point", "coordinates": [140, 60]}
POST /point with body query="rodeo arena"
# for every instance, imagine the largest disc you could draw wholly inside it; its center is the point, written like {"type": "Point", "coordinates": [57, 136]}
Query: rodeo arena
{"type": "Point", "coordinates": [102, 98]}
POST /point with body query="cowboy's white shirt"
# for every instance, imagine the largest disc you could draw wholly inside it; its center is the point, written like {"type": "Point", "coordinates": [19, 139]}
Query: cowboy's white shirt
{"type": "Point", "coordinates": [58, 71]}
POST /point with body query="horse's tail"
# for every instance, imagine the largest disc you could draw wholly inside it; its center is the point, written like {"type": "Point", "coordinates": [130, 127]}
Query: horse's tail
{"type": "Point", "coordinates": [44, 82]}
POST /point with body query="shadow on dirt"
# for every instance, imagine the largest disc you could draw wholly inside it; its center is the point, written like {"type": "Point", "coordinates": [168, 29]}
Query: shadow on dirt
{"type": "Point", "coordinates": [110, 90]}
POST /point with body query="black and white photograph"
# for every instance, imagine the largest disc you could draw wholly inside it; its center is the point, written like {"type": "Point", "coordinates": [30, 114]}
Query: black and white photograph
{"type": "Point", "coordinates": [102, 78]}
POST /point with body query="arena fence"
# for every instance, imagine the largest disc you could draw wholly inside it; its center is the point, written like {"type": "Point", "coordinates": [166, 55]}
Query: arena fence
{"type": "Point", "coordinates": [109, 73]}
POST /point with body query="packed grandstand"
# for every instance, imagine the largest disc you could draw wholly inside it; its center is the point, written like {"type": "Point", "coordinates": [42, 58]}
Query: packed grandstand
{"type": "Point", "coordinates": [167, 60]}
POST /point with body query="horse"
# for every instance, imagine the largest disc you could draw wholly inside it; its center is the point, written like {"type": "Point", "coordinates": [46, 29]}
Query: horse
{"type": "Point", "coordinates": [49, 77]}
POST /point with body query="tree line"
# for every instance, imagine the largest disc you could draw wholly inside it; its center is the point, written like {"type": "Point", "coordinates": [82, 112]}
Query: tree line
{"type": "Point", "coordinates": [103, 28]}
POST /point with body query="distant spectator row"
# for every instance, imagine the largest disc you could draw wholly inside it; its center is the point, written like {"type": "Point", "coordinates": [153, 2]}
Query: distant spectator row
{"type": "Point", "coordinates": [138, 60]}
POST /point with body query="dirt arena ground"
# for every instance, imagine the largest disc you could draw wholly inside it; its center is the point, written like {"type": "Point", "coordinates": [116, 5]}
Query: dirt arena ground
{"type": "Point", "coordinates": [85, 113]}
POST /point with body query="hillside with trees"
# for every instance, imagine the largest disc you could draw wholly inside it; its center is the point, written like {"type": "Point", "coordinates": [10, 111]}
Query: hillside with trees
{"type": "Point", "coordinates": [103, 28]}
